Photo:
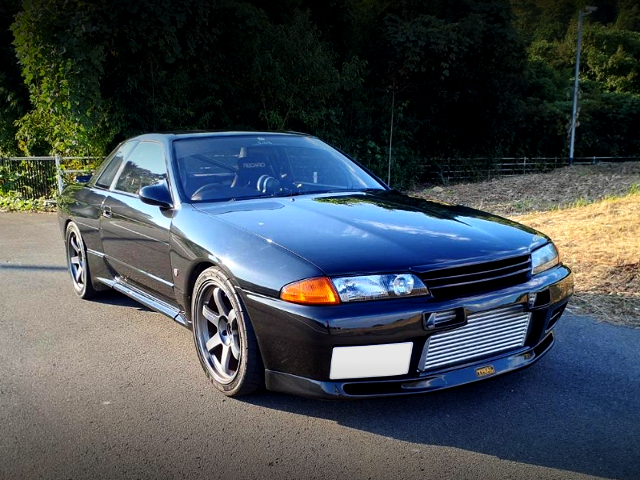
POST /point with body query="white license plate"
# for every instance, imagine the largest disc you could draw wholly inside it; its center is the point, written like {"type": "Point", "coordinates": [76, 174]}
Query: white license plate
{"type": "Point", "coordinates": [368, 361]}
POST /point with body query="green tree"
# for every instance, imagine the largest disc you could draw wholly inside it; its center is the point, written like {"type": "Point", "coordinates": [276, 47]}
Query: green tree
{"type": "Point", "coordinates": [294, 74]}
{"type": "Point", "coordinates": [612, 58]}
{"type": "Point", "coordinates": [13, 93]}
{"type": "Point", "coordinates": [62, 68]}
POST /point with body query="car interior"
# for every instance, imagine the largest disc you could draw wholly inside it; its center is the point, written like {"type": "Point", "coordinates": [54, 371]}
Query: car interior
{"type": "Point", "coordinates": [252, 171]}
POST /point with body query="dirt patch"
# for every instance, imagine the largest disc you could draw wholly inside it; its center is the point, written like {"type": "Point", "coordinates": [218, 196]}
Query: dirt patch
{"type": "Point", "coordinates": [561, 188]}
{"type": "Point", "coordinates": [593, 215]}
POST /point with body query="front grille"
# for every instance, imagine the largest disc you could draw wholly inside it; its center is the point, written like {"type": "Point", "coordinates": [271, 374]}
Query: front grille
{"type": "Point", "coordinates": [485, 333]}
{"type": "Point", "coordinates": [477, 277]}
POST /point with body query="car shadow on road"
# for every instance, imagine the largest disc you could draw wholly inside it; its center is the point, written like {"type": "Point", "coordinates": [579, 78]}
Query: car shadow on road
{"type": "Point", "coordinates": [575, 410]}
{"type": "Point", "coordinates": [112, 297]}
{"type": "Point", "coordinates": [45, 268]}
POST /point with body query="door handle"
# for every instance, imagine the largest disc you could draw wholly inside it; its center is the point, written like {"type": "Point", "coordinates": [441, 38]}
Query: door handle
{"type": "Point", "coordinates": [106, 212]}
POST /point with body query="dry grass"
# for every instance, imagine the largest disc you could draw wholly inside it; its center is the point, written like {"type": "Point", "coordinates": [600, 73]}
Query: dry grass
{"type": "Point", "coordinates": [601, 243]}
{"type": "Point", "coordinates": [561, 188]}
{"type": "Point", "coordinates": [593, 215]}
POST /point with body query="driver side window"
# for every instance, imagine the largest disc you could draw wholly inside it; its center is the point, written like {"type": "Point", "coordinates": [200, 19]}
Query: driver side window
{"type": "Point", "coordinates": [145, 166]}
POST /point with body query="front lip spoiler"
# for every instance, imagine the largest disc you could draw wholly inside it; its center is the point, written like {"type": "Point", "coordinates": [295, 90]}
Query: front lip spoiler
{"type": "Point", "coordinates": [425, 383]}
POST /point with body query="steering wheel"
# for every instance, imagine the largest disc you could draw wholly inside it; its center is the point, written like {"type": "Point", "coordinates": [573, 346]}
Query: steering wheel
{"type": "Point", "coordinates": [198, 194]}
{"type": "Point", "coordinates": [267, 184]}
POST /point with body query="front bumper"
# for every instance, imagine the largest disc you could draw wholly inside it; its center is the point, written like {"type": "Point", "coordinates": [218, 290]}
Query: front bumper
{"type": "Point", "coordinates": [297, 341]}
{"type": "Point", "coordinates": [427, 382]}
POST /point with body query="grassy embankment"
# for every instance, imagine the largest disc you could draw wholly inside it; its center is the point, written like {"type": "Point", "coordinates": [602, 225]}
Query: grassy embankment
{"type": "Point", "coordinates": [593, 215]}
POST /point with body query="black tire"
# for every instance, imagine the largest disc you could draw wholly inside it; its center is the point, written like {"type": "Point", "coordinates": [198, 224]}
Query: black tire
{"type": "Point", "coordinates": [223, 335]}
{"type": "Point", "coordinates": [77, 262]}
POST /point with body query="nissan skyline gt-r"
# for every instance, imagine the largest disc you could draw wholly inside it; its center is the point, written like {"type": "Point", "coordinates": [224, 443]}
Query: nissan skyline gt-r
{"type": "Point", "coordinates": [299, 270]}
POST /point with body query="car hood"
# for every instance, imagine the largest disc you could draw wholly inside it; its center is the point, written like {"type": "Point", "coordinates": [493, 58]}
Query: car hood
{"type": "Point", "coordinates": [385, 231]}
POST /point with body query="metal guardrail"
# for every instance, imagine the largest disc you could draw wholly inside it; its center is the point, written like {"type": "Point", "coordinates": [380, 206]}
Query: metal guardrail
{"type": "Point", "coordinates": [33, 177]}
{"type": "Point", "coordinates": [457, 169]}
{"type": "Point", "coordinates": [36, 177]}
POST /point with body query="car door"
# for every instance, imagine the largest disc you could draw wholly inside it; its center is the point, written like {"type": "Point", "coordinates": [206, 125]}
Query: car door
{"type": "Point", "coordinates": [135, 236]}
{"type": "Point", "coordinates": [87, 207]}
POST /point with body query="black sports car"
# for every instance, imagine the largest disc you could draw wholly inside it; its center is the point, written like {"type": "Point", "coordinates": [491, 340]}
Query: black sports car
{"type": "Point", "coordinates": [298, 269]}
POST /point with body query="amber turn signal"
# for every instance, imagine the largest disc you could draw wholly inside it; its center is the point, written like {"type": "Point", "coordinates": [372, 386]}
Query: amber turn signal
{"type": "Point", "coordinates": [312, 291]}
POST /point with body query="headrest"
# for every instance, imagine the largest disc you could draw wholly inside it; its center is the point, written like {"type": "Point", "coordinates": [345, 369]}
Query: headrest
{"type": "Point", "coordinates": [253, 161]}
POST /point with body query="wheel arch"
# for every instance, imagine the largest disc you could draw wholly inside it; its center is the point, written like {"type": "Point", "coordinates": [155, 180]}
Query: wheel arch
{"type": "Point", "coordinates": [195, 270]}
{"type": "Point", "coordinates": [65, 224]}
{"type": "Point", "coordinates": [192, 277]}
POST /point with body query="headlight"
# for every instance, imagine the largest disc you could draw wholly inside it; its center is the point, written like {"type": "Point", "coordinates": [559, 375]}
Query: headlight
{"type": "Point", "coordinates": [544, 258]}
{"type": "Point", "coordinates": [374, 287]}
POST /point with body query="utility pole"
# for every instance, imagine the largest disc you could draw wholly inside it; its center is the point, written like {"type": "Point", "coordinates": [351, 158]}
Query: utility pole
{"type": "Point", "coordinates": [574, 116]}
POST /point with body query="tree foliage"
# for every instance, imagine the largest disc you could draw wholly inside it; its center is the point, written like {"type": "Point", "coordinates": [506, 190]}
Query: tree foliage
{"type": "Point", "coordinates": [468, 78]}
{"type": "Point", "coordinates": [609, 87]}
{"type": "Point", "coordinates": [13, 94]}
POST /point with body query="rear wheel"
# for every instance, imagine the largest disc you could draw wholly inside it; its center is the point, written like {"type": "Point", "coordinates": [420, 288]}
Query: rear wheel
{"type": "Point", "coordinates": [77, 262]}
{"type": "Point", "coordinates": [224, 338]}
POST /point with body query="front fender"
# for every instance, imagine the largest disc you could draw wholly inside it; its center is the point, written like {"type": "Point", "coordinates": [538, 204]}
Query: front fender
{"type": "Point", "coordinates": [251, 262]}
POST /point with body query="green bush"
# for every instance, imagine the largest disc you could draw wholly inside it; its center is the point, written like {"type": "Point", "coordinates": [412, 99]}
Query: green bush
{"type": "Point", "coordinates": [8, 180]}
{"type": "Point", "coordinates": [15, 203]}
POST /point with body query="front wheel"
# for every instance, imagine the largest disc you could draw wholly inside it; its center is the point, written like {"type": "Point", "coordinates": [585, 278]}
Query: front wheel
{"type": "Point", "coordinates": [77, 262]}
{"type": "Point", "coordinates": [225, 342]}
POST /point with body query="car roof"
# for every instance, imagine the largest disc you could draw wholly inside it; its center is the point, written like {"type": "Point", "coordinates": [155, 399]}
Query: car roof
{"type": "Point", "coordinates": [175, 135]}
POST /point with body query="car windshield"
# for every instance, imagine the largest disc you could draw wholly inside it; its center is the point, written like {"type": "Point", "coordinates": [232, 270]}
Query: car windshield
{"type": "Point", "coordinates": [217, 168]}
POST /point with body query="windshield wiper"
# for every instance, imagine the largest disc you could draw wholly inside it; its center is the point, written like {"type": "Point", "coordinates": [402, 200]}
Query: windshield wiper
{"type": "Point", "coordinates": [287, 192]}
{"type": "Point", "coordinates": [249, 197]}
{"type": "Point", "coordinates": [347, 190]}
{"type": "Point", "coordinates": [370, 189]}
{"type": "Point", "coordinates": [294, 193]}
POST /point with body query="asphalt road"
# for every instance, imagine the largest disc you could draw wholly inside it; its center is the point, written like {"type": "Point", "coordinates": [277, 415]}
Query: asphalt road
{"type": "Point", "coordinates": [109, 389]}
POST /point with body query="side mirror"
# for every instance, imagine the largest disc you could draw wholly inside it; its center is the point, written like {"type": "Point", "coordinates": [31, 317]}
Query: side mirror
{"type": "Point", "coordinates": [83, 178]}
{"type": "Point", "coordinates": [157, 195]}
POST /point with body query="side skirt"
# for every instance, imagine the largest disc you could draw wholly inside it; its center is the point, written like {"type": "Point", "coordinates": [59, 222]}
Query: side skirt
{"type": "Point", "coordinates": [146, 299]}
